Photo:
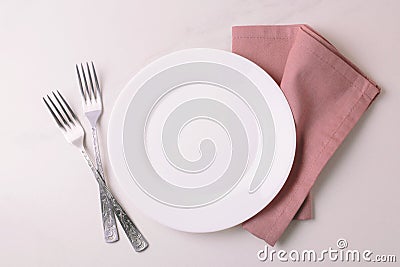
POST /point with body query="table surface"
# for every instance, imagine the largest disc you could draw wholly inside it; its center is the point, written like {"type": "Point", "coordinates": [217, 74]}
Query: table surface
{"type": "Point", "coordinates": [49, 208]}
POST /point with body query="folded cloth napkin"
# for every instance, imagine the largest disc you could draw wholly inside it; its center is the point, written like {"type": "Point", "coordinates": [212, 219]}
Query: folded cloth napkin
{"type": "Point", "coordinates": [327, 95]}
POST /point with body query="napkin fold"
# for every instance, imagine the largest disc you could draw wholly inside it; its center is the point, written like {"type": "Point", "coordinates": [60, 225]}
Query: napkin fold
{"type": "Point", "coordinates": [327, 95]}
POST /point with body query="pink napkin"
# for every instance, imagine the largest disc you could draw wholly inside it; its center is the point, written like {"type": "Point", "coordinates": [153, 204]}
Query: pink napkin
{"type": "Point", "coordinates": [327, 95]}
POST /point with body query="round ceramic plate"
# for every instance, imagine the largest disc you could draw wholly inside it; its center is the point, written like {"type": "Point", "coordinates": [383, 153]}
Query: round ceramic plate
{"type": "Point", "coordinates": [201, 140]}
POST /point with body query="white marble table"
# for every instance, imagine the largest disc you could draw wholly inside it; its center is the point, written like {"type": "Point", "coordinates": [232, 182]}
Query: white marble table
{"type": "Point", "coordinates": [49, 212]}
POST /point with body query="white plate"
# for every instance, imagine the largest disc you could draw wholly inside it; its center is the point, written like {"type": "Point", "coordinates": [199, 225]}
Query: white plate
{"type": "Point", "coordinates": [201, 139]}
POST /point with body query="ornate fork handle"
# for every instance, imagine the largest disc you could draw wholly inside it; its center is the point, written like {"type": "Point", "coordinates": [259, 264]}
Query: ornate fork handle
{"type": "Point", "coordinates": [135, 237]}
{"type": "Point", "coordinates": [99, 165]}
{"type": "Point", "coordinates": [107, 213]}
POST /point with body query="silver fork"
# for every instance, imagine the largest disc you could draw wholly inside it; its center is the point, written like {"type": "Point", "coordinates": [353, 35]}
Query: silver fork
{"type": "Point", "coordinates": [74, 134]}
{"type": "Point", "coordinates": [92, 107]}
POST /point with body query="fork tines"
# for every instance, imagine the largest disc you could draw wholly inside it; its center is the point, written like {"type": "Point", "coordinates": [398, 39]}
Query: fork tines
{"type": "Point", "coordinates": [88, 93]}
{"type": "Point", "coordinates": [62, 114]}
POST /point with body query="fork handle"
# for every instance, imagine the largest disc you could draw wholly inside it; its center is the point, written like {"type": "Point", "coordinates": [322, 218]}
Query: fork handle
{"type": "Point", "coordinates": [97, 154]}
{"type": "Point", "coordinates": [110, 229]}
{"type": "Point", "coordinates": [135, 237]}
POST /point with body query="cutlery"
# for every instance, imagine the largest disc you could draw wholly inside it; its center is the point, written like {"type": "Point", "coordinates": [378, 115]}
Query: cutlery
{"type": "Point", "coordinates": [92, 107]}
{"type": "Point", "coordinates": [74, 134]}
